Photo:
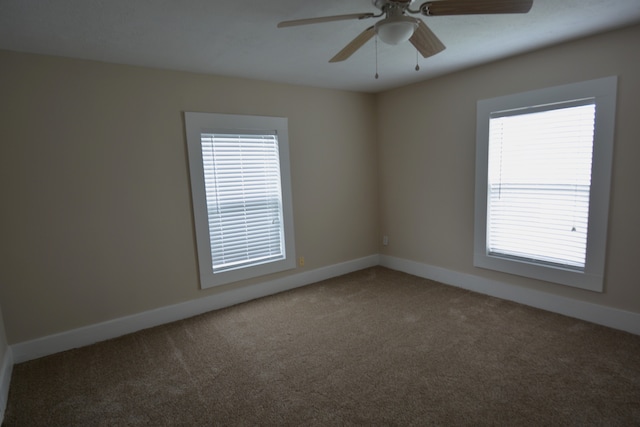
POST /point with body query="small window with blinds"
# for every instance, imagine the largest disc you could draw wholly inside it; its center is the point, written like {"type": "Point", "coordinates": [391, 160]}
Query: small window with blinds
{"type": "Point", "coordinates": [241, 193]}
{"type": "Point", "coordinates": [543, 170]}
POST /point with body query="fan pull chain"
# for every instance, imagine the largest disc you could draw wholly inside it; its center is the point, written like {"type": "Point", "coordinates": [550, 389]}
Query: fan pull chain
{"type": "Point", "coordinates": [376, 44]}
{"type": "Point", "coordinates": [417, 66]}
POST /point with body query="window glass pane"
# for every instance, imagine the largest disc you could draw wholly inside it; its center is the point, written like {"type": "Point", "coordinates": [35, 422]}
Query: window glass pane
{"type": "Point", "coordinates": [539, 181]}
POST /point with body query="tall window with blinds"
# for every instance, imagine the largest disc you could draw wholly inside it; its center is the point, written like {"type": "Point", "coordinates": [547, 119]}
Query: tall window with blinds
{"type": "Point", "coordinates": [244, 202]}
{"type": "Point", "coordinates": [241, 192]}
{"type": "Point", "coordinates": [543, 172]}
{"type": "Point", "coordinates": [539, 184]}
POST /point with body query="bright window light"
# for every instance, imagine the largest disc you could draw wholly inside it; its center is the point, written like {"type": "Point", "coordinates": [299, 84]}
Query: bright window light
{"type": "Point", "coordinates": [539, 185]}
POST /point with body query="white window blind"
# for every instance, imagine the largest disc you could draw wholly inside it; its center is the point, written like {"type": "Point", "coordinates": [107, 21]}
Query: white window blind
{"type": "Point", "coordinates": [244, 200]}
{"type": "Point", "coordinates": [543, 172]}
{"type": "Point", "coordinates": [539, 180]}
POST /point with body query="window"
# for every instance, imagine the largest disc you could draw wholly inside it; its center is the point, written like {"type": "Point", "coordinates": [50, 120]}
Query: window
{"type": "Point", "coordinates": [241, 191]}
{"type": "Point", "coordinates": [543, 168]}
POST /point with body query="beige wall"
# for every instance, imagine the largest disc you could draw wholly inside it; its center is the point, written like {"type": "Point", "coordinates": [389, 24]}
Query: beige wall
{"type": "Point", "coordinates": [427, 155]}
{"type": "Point", "coordinates": [96, 221]}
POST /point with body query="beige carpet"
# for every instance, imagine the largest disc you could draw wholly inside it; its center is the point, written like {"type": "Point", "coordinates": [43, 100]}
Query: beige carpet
{"type": "Point", "coordinates": [375, 347]}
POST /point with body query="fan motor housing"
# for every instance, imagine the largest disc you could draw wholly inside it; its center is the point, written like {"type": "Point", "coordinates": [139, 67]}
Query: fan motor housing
{"type": "Point", "coordinates": [384, 4]}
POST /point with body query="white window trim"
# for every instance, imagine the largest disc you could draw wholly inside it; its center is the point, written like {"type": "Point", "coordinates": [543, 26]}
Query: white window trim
{"type": "Point", "coordinates": [199, 123]}
{"type": "Point", "coordinates": [604, 92]}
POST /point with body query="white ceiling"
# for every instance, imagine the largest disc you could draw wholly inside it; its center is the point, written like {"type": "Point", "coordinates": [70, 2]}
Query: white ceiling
{"type": "Point", "coordinates": [240, 38]}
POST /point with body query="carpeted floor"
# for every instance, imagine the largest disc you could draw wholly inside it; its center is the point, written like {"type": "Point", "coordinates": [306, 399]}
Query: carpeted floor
{"type": "Point", "coordinates": [375, 347]}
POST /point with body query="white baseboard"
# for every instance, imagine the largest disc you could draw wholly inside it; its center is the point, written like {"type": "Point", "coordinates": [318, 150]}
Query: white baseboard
{"type": "Point", "coordinates": [5, 380]}
{"type": "Point", "coordinates": [594, 313]}
{"type": "Point", "coordinates": [87, 335]}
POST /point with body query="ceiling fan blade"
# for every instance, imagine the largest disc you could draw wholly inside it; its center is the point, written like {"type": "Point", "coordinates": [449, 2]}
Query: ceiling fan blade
{"type": "Point", "coordinates": [324, 19]}
{"type": "Point", "coordinates": [355, 44]}
{"type": "Point", "coordinates": [474, 7]}
{"type": "Point", "coordinates": [425, 41]}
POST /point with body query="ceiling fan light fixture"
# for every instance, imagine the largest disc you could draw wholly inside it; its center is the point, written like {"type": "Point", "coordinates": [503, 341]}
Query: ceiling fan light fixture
{"type": "Point", "coordinates": [396, 29]}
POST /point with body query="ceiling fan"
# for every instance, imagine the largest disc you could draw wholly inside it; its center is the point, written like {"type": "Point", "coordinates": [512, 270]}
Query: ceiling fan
{"type": "Point", "coordinates": [397, 26]}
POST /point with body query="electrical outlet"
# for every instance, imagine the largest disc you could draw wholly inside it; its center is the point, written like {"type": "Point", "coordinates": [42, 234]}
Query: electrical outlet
{"type": "Point", "coordinates": [385, 240]}
{"type": "Point", "coordinates": [301, 261]}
